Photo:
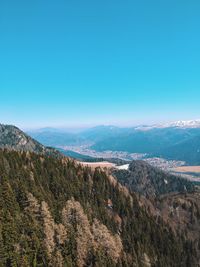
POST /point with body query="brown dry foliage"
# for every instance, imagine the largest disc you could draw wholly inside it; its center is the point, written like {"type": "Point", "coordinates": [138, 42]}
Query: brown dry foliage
{"type": "Point", "coordinates": [49, 228]}
{"type": "Point", "coordinates": [104, 240]}
{"type": "Point", "coordinates": [95, 236]}
{"type": "Point", "coordinates": [73, 214]}
{"type": "Point", "coordinates": [88, 237]}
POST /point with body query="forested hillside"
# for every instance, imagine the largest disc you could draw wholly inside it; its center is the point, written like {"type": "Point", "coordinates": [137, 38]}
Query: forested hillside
{"type": "Point", "coordinates": [150, 181]}
{"type": "Point", "coordinates": [53, 212]}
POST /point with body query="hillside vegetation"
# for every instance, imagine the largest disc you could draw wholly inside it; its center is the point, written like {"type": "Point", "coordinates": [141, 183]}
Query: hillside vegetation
{"type": "Point", "coordinates": [56, 213]}
{"type": "Point", "coordinates": [150, 181]}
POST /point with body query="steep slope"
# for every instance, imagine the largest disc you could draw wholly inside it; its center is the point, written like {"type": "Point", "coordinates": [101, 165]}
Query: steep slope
{"type": "Point", "coordinates": [53, 212]}
{"type": "Point", "coordinates": [13, 138]}
{"type": "Point", "coordinates": [182, 212]}
{"type": "Point", "coordinates": [150, 181]}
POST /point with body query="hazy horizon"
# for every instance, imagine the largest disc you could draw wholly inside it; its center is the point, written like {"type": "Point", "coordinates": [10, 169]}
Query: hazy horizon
{"type": "Point", "coordinates": [80, 127]}
{"type": "Point", "coordinates": [76, 127]}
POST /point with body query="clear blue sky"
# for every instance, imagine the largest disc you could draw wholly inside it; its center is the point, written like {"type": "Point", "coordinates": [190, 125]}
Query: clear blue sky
{"type": "Point", "coordinates": [67, 63]}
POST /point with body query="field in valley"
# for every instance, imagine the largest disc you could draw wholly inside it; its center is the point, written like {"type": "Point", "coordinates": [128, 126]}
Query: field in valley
{"type": "Point", "coordinates": [188, 169]}
{"type": "Point", "coordinates": [191, 173]}
{"type": "Point", "coordinates": [103, 164]}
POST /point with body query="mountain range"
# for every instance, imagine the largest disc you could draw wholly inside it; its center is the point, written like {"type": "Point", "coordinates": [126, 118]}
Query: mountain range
{"type": "Point", "coordinates": [178, 140]}
{"type": "Point", "coordinates": [169, 143]}
{"type": "Point", "coordinates": [55, 212]}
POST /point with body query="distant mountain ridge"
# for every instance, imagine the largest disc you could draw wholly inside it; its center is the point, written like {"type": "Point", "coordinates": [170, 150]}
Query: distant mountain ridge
{"type": "Point", "coordinates": [177, 140]}
{"type": "Point", "coordinates": [186, 150]}
{"type": "Point", "coordinates": [170, 143]}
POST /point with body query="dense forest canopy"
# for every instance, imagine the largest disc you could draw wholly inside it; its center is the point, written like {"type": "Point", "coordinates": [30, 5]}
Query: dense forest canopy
{"type": "Point", "coordinates": [54, 212]}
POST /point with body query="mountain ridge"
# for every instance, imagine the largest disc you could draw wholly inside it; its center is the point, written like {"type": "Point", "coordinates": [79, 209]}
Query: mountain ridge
{"type": "Point", "coordinates": [11, 137]}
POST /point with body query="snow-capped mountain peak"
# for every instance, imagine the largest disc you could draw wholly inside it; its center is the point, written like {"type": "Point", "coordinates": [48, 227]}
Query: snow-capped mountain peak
{"type": "Point", "coordinates": [182, 124]}
{"type": "Point", "coordinates": [175, 124]}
